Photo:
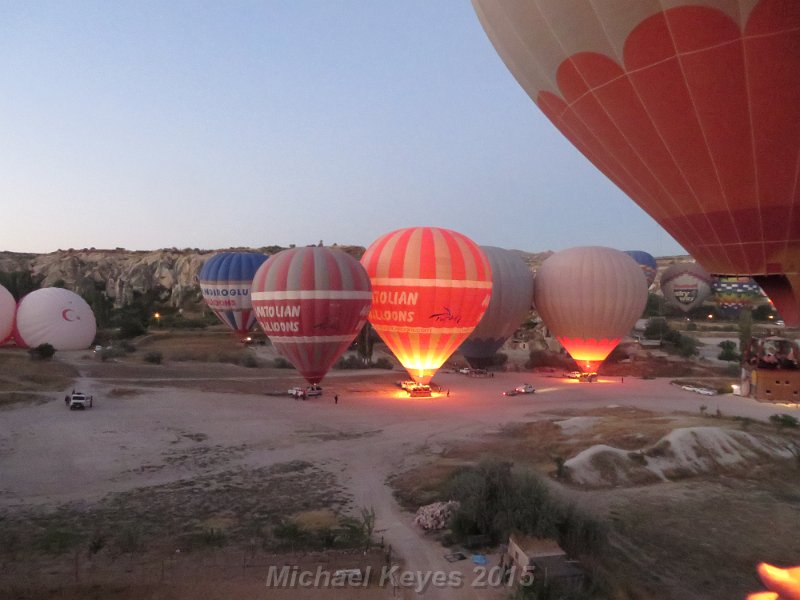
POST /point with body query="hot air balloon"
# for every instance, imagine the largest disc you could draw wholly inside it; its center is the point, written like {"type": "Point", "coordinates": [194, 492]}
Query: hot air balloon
{"type": "Point", "coordinates": [590, 297]}
{"type": "Point", "coordinates": [8, 307]}
{"type": "Point", "coordinates": [225, 281]}
{"type": "Point", "coordinates": [54, 316]}
{"type": "Point", "coordinates": [311, 302]}
{"type": "Point", "coordinates": [685, 285]}
{"type": "Point", "coordinates": [733, 294]}
{"type": "Point", "coordinates": [692, 108]}
{"type": "Point", "coordinates": [512, 295]}
{"type": "Point", "coordinates": [646, 263]}
{"type": "Point", "coordinates": [430, 288]}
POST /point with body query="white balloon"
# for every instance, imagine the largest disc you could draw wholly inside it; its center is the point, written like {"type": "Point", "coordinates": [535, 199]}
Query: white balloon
{"type": "Point", "coordinates": [57, 317]}
{"type": "Point", "coordinates": [8, 307]}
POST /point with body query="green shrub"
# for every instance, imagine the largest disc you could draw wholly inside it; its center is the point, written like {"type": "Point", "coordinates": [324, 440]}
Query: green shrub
{"type": "Point", "coordinates": [543, 358]}
{"type": "Point", "coordinates": [349, 362]}
{"type": "Point", "coordinates": [56, 540]}
{"type": "Point", "coordinates": [249, 361]}
{"type": "Point", "coordinates": [281, 363]}
{"type": "Point", "coordinates": [783, 420]}
{"type": "Point", "coordinates": [383, 363]}
{"type": "Point", "coordinates": [154, 357]}
{"type": "Point", "coordinates": [728, 351]}
{"type": "Point", "coordinates": [656, 329]}
{"type": "Point", "coordinates": [42, 352]}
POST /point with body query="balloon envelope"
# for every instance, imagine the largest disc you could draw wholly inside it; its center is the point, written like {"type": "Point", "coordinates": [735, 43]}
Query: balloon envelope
{"type": "Point", "coordinates": [57, 317]}
{"type": "Point", "coordinates": [430, 288]}
{"type": "Point", "coordinates": [732, 294]}
{"type": "Point", "coordinates": [685, 285]}
{"type": "Point", "coordinates": [691, 108]}
{"type": "Point", "coordinates": [8, 308]}
{"type": "Point", "coordinates": [311, 303]}
{"type": "Point", "coordinates": [590, 297]}
{"type": "Point", "coordinates": [646, 263]}
{"type": "Point", "coordinates": [512, 295]}
{"type": "Point", "coordinates": [225, 281]}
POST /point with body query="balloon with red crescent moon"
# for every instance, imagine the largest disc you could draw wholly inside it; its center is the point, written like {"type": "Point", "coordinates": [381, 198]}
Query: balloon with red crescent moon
{"type": "Point", "coordinates": [692, 108]}
{"type": "Point", "coordinates": [57, 317]}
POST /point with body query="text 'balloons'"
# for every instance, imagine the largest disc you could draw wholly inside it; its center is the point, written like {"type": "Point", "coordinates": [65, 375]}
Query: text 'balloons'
{"type": "Point", "coordinates": [311, 302]}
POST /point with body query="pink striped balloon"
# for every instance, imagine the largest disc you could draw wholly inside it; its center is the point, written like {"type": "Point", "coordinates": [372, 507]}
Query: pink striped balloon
{"type": "Point", "coordinates": [311, 303]}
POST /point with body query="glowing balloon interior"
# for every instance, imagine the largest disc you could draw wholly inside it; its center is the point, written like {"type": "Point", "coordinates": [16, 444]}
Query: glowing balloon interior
{"type": "Point", "coordinates": [589, 298]}
{"type": "Point", "coordinates": [430, 288]}
{"type": "Point", "coordinates": [692, 110]}
{"type": "Point", "coordinates": [225, 281]}
{"type": "Point", "coordinates": [311, 303]}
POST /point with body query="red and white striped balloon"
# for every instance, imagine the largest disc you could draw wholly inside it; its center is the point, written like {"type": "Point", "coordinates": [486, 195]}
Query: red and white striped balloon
{"type": "Point", "coordinates": [311, 302]}
{"type": "Point", "coordinates": [431, 287]}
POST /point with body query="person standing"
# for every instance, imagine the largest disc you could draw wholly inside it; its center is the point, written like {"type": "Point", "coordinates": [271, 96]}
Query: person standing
{"type": "Point", "coordinates": [336, 399]}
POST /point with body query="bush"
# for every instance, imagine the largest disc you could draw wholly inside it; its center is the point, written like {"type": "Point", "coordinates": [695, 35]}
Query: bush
{"type": "Point", "coordinates": [656, 329]}
{"type": "Point", "coordinates": [249, 361]}
{"type": "Point", "coordinates": [349, 362]}
{"type": "Point", "coordinates": [692, 326]}
{"type": "Point", "coordinates": [383, 363]}
{"type": "Point", "coordinates": [42, 352]}
{"type": "Point", "coordinates": [153, 357]}
{"type": "Point", "coordinates": [281, 363]}
{"type": "Point", "coordinates": [783, 420]}
{"type": "Point", "coordinates": [728, 351]}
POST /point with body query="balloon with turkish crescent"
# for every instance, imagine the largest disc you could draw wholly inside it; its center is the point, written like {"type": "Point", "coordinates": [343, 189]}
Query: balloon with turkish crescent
{"type": "Point", "coordinates": [8, 309]}
{"type": "Point", "coordinates": [54, 316]}
{"type": "Point", "coordinates": [430, 288]}
{"type": "Point", "coordinates": [589, 298]}
{"type": "Point", "coordinates": [685, 285]}
{"type": "Point", "coordinates": [225, 281]}
{"type": "Point", "coordinates": [311, 302]}
{"type": "Point", "coordinates": [692, 108]}
{"type": "Point", "coordinates": [512, 295]}
{"type": "Point", "coordinates": [647, 263]}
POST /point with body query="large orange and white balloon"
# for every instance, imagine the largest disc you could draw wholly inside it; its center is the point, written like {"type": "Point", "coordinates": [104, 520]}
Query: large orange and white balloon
{"type": "Point", "coordinates": [430, 288]}
{"type": "Point", "coordinates": [691, 107]}
{"type": "Point", "coordinates": [590, 297]}
{"type": "Point", "coordinates": [311, 302]}
{"type": "Point", "coordinates": [8, 307]}
{"type": "Point", "coordinates": [57, 317]}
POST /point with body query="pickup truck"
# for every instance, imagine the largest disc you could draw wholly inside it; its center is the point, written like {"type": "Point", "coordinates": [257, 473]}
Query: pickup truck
{"type": "Point", "coordinates": [78, 401]}
{"type": "Point", "coordinates": [310, 391]}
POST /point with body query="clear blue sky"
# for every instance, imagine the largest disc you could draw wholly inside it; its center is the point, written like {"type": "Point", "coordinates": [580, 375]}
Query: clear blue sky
{"type": "Point", "coordinates": [154, 124]}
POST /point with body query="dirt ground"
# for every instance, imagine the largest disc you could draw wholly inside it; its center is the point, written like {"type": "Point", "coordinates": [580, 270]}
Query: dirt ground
{"type": "Point", "coordinates": [197, 443]}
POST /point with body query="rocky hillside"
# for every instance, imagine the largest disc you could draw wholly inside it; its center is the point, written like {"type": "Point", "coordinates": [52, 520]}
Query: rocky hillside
{"type": "Point", "coordinates": [171, 274]}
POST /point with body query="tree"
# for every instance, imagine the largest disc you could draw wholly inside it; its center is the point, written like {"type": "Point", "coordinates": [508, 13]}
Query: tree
{"type": "Point", "coordinates": [42, 352]}
{"type": "Point", "coordinates": [745, 329]}
{"type": "Point", "coordinates": [20, 283]}
{"type": "Point", "coordinates": [365, 343]}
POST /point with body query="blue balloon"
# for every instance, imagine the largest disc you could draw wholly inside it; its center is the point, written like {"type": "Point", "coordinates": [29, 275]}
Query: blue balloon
{"type": "Point", "coordinates": [646, 262]}
{"type": "Point", "coordinates": [225, 281]}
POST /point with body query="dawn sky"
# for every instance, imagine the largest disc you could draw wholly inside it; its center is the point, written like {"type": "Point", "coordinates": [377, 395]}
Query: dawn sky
{"type": "Point", "coordinates": [215, 124]}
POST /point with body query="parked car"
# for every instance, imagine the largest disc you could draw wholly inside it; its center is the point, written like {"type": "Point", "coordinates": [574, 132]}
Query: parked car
{"type": "Point", "coordinates": [78, 401]}
{"type": "Point", "coordinates": [419, 391]}
{"type": "Point", "coordinates": [525, 388]}
{"type": "Point", "coordinates": [513, 392]}
{"type": "Point", "coordinates": [307, 392]}
{"type": "Point", "coordinates": [465, 370]}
